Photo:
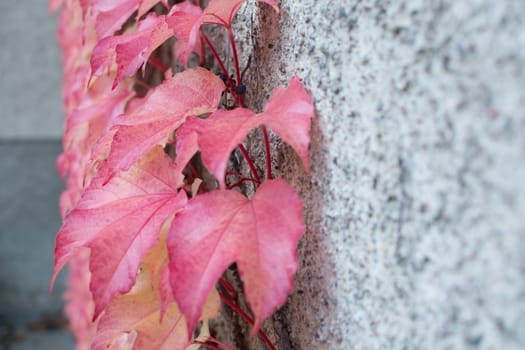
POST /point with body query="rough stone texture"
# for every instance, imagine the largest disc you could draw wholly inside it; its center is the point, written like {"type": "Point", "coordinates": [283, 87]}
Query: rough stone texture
{"type": "Point", "coordinates": [30, 71]}
{"type": "Point", "coordinates": [415, 203]}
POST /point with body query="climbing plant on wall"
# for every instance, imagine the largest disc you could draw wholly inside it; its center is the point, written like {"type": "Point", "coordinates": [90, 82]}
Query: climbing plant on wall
{"type": "Point", "coordinates": [147, 230]}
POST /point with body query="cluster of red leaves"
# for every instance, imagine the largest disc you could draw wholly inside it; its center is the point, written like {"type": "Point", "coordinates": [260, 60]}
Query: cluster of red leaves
{"type": "Point", "coordinates": [144, 254]}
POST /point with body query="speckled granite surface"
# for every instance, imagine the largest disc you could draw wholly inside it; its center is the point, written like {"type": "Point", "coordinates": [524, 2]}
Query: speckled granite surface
{"type": "Point", "coordinates": [416, 199]}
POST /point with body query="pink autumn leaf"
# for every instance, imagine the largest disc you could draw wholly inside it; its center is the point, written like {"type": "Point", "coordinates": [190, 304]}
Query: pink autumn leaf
{"type": "Point", "coordinates": [288, 113]}
{"type": "Point", "coordinates": [120, 222]}
{"type": "Point", "coordinates": [132, 50]}
{"type": "Point", "coordinates": [222, 12]}
{"type": "Point", "coordinates": [84, 126]}
{"type": "Point", "coordinates": [146, 5]}
{"type": "Point", "coordinates": [111, 5]}
{"type": "Point", "coordinates": [79, 306]}
{"type": "Point", "coordinates": [187, 141]}
{"type": "Point", "coordinates": [220, 134]}
{"type": "Point", "coordinates": [52, 5]}
{"type": "Point", "coordinates": [186, 19]}
{"type": "Point", "coordinates": [156, 262]}
{"type": "Point", "coordinates": [100, 150]}
{"type": "Point", "coordinates": [222, 227]}
{"type": "Point", "coordinates": [85, 6]}
{"type": "Point", "coordinates": [95, 118]}
{"type": "Point", "coordinates": [192, 92]}
{"type": "Point", "coordinates": [138, 313]}
{"type": "Point", "coordinates": [112, 14]}
{"type": "Point", "coordinates": [165, 291]}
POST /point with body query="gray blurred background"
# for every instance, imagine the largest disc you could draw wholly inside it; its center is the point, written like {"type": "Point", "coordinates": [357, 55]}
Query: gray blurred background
{"type": "Point", "coordinates": [30, 130]}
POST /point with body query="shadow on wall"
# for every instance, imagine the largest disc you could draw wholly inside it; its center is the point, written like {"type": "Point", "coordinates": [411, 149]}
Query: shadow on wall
{"type": "Point", "coordinates": [310, 305]}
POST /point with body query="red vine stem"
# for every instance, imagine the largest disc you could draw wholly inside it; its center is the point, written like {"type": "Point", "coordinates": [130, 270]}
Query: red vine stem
{"type": "Point", "coordinates": [268, 155]}
{"type": "Point", "coordinates": [157, 64]}
{"type": "Point", "coordinates": [193, 170]}
{"type": "Point", "coordinates": [229, 288]}
{"type": "Point", "coordinates": [233, 173]}
{"type": "Point", "coordinates": [236, 60]}
{"type": "Point", "coordinates": [240, 97]}
{"type": "Point", "coordinates": [206, 345]}
{"type": "Point", "coordinates": [236, 174]}
{"type": "Point", "coordinates": [213, 340]}
{"type": "Point", "coordinates": [212, 48]}
{"type": "Point", "coordinates": [238, 183]}
{"type": "Point", "coordinates": [248, 319]}
{"type": "Point", "coordinates": [221, 64]}
{"type": "Point", "coordinates": [195, 173]}
{"type": "Point", "coordinates": [202, 58]}
{"type": "Point", "coordinates": [143, 84]}
{"type": "Point", "coordinates": [250, 163]}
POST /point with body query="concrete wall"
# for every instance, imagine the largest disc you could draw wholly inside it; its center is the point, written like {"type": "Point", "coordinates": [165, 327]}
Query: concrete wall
{"type": "Point", "coordinates": [416, 199]}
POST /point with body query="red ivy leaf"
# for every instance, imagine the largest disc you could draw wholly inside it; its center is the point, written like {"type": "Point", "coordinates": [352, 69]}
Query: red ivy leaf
{"type": "Point", "coordinates": [112, 14]}
{"type": "Point", "coordinates": [186, 19]}
{"type": "Point", "coordinates": [138, 314]}
{"type": "Point", "coordinates": [146, 317]}
{"type": "Point", "coordinates": [222, 12]}
{"type": "Point", "coordinates": [120, 222]}
{"type": "Point", "coordinates": [187, 141]}
{"type": "Point", "coordinates": [88, 122]}
{"type": "Point", "coordinates": [288, 113]}
{"type": "Point", "coordinates": [220, 227]}
{"type": "Point", "coordinates": [146, 5]}
{"type": "Point", "coordinates": [134, 319]}
{"type": "Point", "coordinates": [52, 5]}
{"type": "Point", "coordinates": [84, 125]}
{"type": "Point", "coordinates": [101, 148]}
{"type": "Point", "coordinates": [165, 291]}
{"type": "Point", "coordinates": [220, 134]}
{"type": "Point", "coordinates": [131, 50]}
{"type": "Point", "coordinates": [79, 302]}
{"type": "Point", "coordinates": [192, 92]}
